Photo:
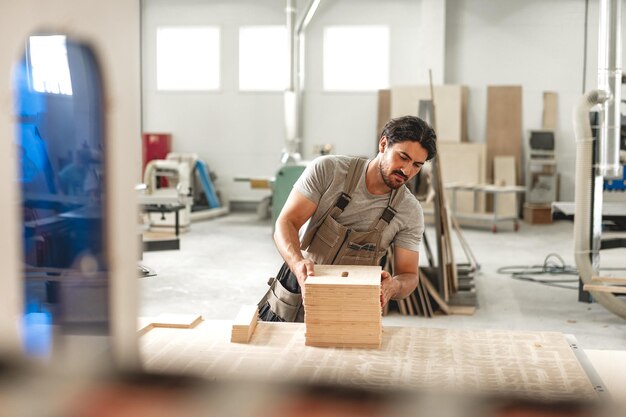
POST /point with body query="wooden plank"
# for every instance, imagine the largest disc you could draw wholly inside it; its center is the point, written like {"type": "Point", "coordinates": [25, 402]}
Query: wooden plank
{"type": "Point", "coordinates": [605, 288]}
{"type": "Point", "coordinates": [384, 113]}
{"type": "Point", "coordinates": [422, 301]}
{"type": "Point", "coordinates": [444, 252]}
{"type": "Point", "coordinates": [505, 175]}
{"type": "Point", "coordinates": [429, 307]}
{"type": "Point", "coordinates": [413, 301]}
{"type": "Point", "coordinates": [462, 310]}
{"type": "Point", "coordinates": [504, 126]}
{"type": "Point", "coordinates": [433, 293]}
{"type": "Point", "coordinates": [549, 110]}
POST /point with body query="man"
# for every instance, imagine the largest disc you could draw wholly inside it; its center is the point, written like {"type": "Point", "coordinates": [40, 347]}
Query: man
{"type": "Point", "coordinates": [356, 209]}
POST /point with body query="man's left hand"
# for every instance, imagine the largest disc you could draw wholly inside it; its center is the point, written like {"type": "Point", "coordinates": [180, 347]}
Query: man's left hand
{"type": "Point", "coordinates": [388, 288]}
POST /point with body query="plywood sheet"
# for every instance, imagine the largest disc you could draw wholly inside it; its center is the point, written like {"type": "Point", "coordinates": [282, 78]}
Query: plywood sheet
{"type": "Point", "coordinates": [464, 163]}
{"type": "Point", "coordinates": [537, 365]}
{"type": "Point", "coordinates": [504, 126]}
{"type": "Point", "coordinates": [450, 108]}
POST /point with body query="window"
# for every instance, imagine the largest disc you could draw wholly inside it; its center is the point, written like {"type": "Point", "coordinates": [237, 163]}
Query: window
{"type": "Point", "coordinates": [49, 65]}
{"type": "Point", "coordinates": [188, 58]}
{"type": "Point", "coordinates": [356, 58]}
{"type": "Point", "coordinates": [263, 58]}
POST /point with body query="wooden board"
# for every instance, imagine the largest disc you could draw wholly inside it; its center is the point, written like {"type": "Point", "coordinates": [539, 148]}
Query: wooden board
{"type": "Point", "coordinates": [504, 174]}
{"type": "Point", "coordinates": [384, 113]}
{"type": "Point", "coordinates": [504, 126]}
{"type": "Point", "coordinates": [614, 289]}
{"type": "Point", "coordinates": [538, 365]}
{"type": "Point", "coordinates": [549, 110]}
{"type": "Point", "coordinates": [451, 102]}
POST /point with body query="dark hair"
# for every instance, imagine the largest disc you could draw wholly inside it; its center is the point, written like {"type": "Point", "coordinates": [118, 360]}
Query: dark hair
{"type": "Point", "coordinates": [414, 129]}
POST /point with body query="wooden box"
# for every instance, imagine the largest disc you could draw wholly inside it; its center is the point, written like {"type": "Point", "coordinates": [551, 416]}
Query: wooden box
{"type": "Point", "coordinates": [537, 213]}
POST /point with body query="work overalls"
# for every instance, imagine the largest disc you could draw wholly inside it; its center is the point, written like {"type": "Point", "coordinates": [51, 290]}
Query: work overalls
{"type": "Point", "coordinates": [328, 243]}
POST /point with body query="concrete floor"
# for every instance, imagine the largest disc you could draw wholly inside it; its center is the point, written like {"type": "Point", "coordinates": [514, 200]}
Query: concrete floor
{"type": "Point", "coordinates": [225, 262]}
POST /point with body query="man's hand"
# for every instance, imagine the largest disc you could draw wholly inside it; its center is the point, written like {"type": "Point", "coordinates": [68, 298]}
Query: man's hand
{"type": "Point", "coordinates": [388, 288]}
{"type": "Point", "coordinates": [303, 269]}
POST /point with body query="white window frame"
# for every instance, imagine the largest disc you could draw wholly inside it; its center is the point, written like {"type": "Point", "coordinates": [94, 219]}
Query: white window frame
{"type": "Point", "coordinates": [188, 58]}
{"type": "Point", "coordinates": [359, 62]}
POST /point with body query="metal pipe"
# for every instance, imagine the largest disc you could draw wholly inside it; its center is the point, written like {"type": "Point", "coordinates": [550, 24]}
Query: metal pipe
{"type": "Point", "coordinates": [291, 151]}
{"type": "Point", "coordinates": [583, 250]}
{"type": "Point", "coordinates": [610, 81]}
{"type": "Point", "coordinates": [290, 12]}
{"type": "Point", "coordinates": [293, 94]}
{"type": "Point", "coordinates": [308, 15]}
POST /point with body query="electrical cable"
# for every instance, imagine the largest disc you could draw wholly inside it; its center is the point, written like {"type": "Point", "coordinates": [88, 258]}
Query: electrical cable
{"type": "Point", "coordinates": [550, 267]}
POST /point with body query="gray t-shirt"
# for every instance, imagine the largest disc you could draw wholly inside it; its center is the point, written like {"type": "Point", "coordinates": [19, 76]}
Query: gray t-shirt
{"type": "Point", "coordinates": [322, 182]}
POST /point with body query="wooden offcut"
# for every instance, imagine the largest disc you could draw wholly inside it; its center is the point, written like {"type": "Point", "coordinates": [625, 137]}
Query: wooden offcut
{"type": "Point", "coordinates": [342, 306]}
{"type": "Point", "coordinates": [244, 324]}
{"type": "Point", "coordinates": [171, 321]}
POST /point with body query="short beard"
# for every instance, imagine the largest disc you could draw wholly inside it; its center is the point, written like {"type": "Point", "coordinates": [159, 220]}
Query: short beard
{"type": "Point", "coordinates": [387, 180]}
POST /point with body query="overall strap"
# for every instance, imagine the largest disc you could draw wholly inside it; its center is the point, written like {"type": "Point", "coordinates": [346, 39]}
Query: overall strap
{"type": "Point", "coordinates": [352, 179]}
{"type": "Point", "coordinates": [390, 211]}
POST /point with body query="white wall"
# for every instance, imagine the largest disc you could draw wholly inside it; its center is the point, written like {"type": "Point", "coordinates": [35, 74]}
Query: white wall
{"type": "Point", "coordinates": [538, 44]}
{"type": "Point", "coordinates": [112, 27]}
{"type": "Point", "coordinates": [243, 134]}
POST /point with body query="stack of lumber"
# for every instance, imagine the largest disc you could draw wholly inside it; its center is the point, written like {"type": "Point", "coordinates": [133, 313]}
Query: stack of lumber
{"type": "Point", "coordinates": [244, 324]}
{"type": "Point", "coordinates": [342, 307]}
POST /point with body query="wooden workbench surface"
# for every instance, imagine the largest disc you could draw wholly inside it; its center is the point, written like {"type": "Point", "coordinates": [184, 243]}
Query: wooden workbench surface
{"type": "Point", "coordinates": [539, 365]}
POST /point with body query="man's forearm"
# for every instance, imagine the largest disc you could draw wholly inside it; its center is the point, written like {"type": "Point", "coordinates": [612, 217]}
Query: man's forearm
{"type": "Point", "coordinates": [405, 285]}
{"type": "Point", "coordinates": [288, 243]}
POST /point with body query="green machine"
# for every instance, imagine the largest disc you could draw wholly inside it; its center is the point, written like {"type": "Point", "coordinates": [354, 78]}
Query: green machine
{"type": "Point", "coordinates": [285, 178]}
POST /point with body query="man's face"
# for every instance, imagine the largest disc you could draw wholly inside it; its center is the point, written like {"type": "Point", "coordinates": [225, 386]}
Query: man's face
{"type": "Point", "coordinates": [401, 161]}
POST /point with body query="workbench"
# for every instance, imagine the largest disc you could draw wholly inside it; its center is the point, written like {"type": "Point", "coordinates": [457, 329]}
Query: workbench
{"type": "Point", "coordinates": [488, 189]}
{"type": "Point", "coordinates": [537, 365]}
{"type": "Point", "coordinates": [163, 204]}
